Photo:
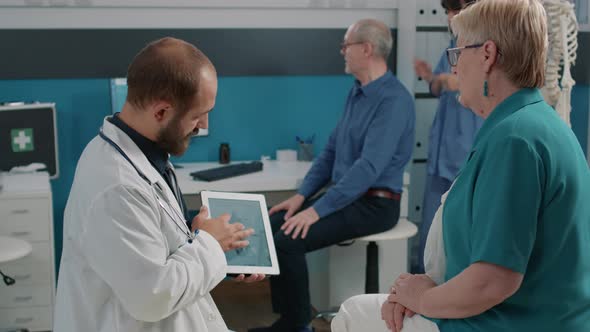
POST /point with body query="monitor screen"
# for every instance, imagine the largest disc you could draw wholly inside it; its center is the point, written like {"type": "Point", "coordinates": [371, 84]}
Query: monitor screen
{"type": "Point", "coordinates": [28, 135]}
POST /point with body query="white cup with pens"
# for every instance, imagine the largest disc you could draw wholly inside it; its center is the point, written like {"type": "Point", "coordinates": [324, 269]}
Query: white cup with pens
{"type": "Point", "coordinates": [305, 148]}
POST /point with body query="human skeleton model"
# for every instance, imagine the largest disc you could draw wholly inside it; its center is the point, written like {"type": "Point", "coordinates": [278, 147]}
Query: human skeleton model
{"type": "Point", "coordinates": [563, 44]}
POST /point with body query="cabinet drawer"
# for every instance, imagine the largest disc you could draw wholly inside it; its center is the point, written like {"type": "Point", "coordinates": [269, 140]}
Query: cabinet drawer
{"type": "Point", "coordinates": [36, 268]}
{"type": "Point", "coordinates": [26, 219]}
{"type": "Point", "coordinates": [24, 209]}
{"type": "Point", "coordinates": [29, 232]}
{"type": "Point", "coordinates": [34, 318]}
{"type": "Point", "coordinates": [25, 296]}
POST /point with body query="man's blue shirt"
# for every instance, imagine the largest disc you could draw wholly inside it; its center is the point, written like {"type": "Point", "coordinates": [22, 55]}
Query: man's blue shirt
{"type": "Point", "coordinates": [369, 148]}
{"type": "Point", "coordinates": [453, 130]}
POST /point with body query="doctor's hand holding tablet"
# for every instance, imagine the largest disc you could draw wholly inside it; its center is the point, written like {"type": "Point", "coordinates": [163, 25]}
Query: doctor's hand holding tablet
{"type": "Point", "coordinates": [230, 236]}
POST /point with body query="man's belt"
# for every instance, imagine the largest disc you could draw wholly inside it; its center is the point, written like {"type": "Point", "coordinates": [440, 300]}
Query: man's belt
{"type": "Point", "coordinates": [383, 194]}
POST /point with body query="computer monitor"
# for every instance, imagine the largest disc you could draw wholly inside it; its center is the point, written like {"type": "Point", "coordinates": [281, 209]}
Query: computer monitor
{"type": "Point", "coordinates": [28, 135]}
{"type": "Point", "coordinates": [119, 94]}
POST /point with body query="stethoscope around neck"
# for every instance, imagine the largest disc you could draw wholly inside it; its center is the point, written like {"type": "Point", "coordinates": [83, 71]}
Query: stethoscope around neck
{"type": "Point", "coordinates": [164, 203]}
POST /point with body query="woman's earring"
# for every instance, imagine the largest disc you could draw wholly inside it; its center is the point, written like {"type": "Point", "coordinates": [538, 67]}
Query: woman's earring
{"type": "Point", "coordinates": [485, 88]}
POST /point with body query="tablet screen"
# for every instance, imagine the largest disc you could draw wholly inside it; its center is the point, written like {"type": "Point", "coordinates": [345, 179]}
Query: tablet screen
{"type": "Point", "coordinates": [260, 255]}
{"type": "Point", "coordinates": [249, 214]}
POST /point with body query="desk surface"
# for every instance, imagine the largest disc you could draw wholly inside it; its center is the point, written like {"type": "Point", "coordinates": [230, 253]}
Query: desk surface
{"type": "Point", "coordinates": [12, 249]}
{"type": "Point", "coordinates": [275, 176]}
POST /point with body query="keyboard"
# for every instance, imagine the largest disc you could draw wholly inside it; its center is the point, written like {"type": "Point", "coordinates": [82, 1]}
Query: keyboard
{"type": "Point", "coordinates": [224, 172]}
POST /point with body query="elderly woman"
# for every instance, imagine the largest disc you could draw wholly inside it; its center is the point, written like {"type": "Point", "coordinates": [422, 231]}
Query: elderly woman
{"type": "Point", "coordinates": [516, 223]}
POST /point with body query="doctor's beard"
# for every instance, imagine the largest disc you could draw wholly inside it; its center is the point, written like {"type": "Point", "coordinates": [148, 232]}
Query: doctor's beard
{"type": "Point", "coordinates": [172, 140]}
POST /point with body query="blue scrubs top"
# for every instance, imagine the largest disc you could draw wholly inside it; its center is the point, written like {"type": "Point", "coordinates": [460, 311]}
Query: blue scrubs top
{"type": "Point", "coordinates": [522, 202]}
{"type": "Point", "coordinates": [453, 130]}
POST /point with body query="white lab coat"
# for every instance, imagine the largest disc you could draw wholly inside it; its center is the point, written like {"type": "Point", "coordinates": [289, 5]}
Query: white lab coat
{"type": "Point", "coordinates": [126, 266]}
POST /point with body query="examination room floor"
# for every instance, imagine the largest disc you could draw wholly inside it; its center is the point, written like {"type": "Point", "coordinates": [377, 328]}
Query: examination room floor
{"type": "Point", "coordinates": [244, 306]}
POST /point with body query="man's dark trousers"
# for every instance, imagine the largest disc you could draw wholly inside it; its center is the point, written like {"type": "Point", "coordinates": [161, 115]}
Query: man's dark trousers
{"type": "Point", "coordinates": [290, 290]}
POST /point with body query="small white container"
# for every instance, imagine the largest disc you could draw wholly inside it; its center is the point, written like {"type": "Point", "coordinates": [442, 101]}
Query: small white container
{"type": "Point", "coordinates": [286, 155]}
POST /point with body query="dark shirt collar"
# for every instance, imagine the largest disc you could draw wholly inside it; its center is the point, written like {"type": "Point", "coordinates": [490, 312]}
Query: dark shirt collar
{"type": "Point", "coordinates": [507, 107]}
{"type": "Point", "coordinates": [373, 87]}
{"type": "Point", "coordinates": [157, 157]}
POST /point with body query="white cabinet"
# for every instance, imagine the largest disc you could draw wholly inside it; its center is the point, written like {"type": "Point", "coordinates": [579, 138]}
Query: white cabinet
{"type": "Point", "coordinates": [425, 112]}
{"type": "Point", "coordinates": [429, 13]}
{"type": "Point", "coordinates": [26, 213]}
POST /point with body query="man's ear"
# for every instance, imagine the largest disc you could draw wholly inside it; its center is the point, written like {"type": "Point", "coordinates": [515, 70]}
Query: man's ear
{"type": "Point", "coordinates": [369, 49]}
{"type": "Point", "coordinates": [161, 110]}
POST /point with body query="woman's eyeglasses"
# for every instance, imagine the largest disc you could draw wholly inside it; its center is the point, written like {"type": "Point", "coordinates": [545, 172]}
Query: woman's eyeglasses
{"type": "Point", "coordinates": [454, 53]}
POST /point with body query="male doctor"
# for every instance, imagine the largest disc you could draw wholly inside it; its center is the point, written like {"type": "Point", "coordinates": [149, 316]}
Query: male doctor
{"type": "Point", "coordinates": [130, 260]}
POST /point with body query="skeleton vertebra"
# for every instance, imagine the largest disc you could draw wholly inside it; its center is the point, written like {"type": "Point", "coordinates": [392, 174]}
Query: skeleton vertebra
{"type": "Point", "coordinates": [563, 44]}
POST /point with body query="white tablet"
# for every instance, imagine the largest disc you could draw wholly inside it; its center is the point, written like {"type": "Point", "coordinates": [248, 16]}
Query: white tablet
{"type": "Point", "coordinates": [260, 255]}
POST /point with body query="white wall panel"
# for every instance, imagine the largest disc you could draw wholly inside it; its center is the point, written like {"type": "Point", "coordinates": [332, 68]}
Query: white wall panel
{"type": "Point", "coordinates": [121, 18]}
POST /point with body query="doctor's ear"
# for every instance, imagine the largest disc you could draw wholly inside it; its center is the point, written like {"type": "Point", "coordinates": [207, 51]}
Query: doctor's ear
{"type": "Point", "coordinates": [161, 110]}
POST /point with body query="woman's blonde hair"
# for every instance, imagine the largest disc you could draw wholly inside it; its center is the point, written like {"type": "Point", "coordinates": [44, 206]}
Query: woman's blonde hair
{"type": "Point", "coordinates": [519, 30]}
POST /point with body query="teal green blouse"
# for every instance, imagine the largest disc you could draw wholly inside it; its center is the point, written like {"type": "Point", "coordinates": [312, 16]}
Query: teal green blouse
{"type": "Point", "coordinates": [522, 201]}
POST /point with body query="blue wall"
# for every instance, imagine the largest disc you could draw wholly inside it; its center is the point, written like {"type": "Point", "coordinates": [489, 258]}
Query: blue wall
{"type": "Point", "coordinates": [256, 115]}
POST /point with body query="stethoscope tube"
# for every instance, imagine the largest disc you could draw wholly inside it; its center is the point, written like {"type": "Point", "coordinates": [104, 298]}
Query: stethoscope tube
{"type": "Point", "coordinates": [155, 186]}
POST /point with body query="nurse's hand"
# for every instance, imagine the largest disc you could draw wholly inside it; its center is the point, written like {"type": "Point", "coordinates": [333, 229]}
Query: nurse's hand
{"type": "Point", "coordinates": [423, 70]}
{"type": "Point", "coordinates": [250, 279]}
{"type": "Point", "coordinates": [230, 236]}
{"type": "Point", "coordinates": [449, 82]}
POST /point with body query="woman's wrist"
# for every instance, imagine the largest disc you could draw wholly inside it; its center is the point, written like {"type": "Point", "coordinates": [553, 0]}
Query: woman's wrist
{"type": "Point", "coordinates": [423, 304]}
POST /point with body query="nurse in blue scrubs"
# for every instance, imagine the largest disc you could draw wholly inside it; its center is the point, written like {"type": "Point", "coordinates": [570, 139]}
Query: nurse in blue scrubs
{"type": "Point", "coordinates": [451, 135]}
{"type": "Point", "coordinates": [516, 222]}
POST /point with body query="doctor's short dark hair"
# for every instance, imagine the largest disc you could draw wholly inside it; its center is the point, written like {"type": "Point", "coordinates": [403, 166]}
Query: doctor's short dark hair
{"type": "Point", "coordinates": [455, 4]}
{"type": "Point", "coordinates": [168, 70]}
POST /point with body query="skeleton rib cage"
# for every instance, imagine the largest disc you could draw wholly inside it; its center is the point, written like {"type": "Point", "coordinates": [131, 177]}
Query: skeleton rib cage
{"type": "Point", "coordinates": [562, 29]}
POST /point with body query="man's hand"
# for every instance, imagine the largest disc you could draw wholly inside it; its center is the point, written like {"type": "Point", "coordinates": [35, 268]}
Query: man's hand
{"type": "Point", "coordinates": [300, 223]}
{"type": "Point", "coordinates": [250, 279]}
{"type": "Point", "coordinates": [291, 205]}
{"type": "Point", "coordinates": [409, 290]}
{"type": "Point", "coordinates": [423, 69]}
{"type": "Point", "coordinates": [229, 236]}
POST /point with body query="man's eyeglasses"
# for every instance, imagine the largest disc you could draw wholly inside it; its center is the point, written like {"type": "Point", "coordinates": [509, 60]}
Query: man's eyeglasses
{"type": "Point", "coordinates": [344, 46]}
{"type": "Point", "coordinates": [454, 52]}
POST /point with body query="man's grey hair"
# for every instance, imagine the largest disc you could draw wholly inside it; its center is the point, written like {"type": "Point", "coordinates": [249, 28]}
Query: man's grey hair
{"type": "Point", "coordinates": [377, 34]}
